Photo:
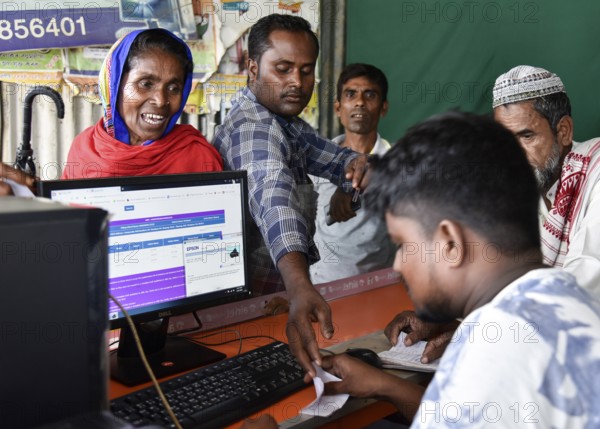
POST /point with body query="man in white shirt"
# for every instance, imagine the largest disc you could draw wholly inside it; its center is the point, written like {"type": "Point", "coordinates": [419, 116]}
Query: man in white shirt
{"type": "Point", "coordinates": [359, 244]}
{"type": "Point", "coordinates": [533, 104]}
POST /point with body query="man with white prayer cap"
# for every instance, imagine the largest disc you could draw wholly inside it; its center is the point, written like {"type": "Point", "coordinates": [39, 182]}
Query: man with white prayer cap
{"type": "Point", "coordinates": [533, 104]}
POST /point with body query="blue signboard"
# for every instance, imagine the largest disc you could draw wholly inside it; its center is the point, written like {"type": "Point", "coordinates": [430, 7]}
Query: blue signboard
{"type": "Point", "coordinates": [62, 24]}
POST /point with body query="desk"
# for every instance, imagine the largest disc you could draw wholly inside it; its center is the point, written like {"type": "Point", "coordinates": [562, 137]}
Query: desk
{"type": "Point", "coordinates": [357, 318]}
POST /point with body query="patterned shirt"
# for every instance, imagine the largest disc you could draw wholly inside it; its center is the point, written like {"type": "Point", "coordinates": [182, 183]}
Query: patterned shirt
{"type": "Point", "coordinates": [528, 358]}
{"type": "Point", "coordinates": [278, 155]}
{"type": "Point", "coordinates": [569, 231]}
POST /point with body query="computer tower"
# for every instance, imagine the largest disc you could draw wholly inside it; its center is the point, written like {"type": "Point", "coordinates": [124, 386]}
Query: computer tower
{"type": "Point", "coordinates": [53, 312]}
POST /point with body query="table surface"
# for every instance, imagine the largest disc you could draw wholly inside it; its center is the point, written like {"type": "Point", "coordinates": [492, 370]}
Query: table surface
{"type": "Point", "coordinates": [358, 320]}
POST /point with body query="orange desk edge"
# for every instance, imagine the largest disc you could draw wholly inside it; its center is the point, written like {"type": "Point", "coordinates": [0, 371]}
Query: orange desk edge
{"type": "Point", "coordinates": [353, 316]}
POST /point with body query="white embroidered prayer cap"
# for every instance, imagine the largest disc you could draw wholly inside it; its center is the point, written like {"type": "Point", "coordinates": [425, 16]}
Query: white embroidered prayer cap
{"type": "Point", "coordinates": [524, 83]}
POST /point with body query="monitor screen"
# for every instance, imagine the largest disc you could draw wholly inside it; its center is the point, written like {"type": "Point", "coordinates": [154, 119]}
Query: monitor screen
{"type": "Point", "coordinates": [176, 243]}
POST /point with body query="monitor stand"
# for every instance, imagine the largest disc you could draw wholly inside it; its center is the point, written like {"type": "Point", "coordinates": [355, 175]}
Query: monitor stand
{"type": "Point", "coordinates": [167, 355]}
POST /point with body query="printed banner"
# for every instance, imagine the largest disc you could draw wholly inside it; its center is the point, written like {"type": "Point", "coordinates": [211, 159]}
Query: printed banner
{"type": "Point", "coordinates": [63, 24]}
{"type": "Point", "coordinates": [32, 67]}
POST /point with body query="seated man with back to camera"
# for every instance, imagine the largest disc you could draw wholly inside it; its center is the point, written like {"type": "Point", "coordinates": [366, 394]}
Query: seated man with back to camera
{"type": "Point", "coordinates": [263, 134]}
{"type": "Point", "coordinates": [532, 103]}
{"type": "Point", "coordinates": [361, 243]}
{"type": "Point", "coordinates": [536, 366]}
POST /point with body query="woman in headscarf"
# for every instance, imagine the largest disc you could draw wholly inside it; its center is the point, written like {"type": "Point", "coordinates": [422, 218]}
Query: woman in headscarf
{"type": "Point", "coordinates": [144, 84]}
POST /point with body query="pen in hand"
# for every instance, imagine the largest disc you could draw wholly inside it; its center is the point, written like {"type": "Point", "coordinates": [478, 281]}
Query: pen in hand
{"type": "Point", "coordinates": [355, 198]}
{"type": "Point", "coordinates": [355, 205]}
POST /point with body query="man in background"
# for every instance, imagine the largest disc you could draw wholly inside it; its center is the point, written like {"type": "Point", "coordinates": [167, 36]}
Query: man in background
{"type": "Point", "coordinates": [533, 104]}
{"type": "Point", "coordinates": [360, 244]}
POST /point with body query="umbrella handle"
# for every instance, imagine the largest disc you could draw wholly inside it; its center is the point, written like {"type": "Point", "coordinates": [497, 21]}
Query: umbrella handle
{"type": "Point", "coordinates": [24, 158]}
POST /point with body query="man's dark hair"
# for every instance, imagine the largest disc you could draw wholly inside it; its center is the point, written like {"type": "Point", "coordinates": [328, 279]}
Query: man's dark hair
{"type": "Point", "coordinates": [462, 167]}
{"type": "Point", "coordinates": [363, 70]}
{"type": "Point", "coordinates": [258, 39]}
{"type": "Point", "coordinates": [158, 38]}
{"type": "Point", "coordinates": [553, 107]}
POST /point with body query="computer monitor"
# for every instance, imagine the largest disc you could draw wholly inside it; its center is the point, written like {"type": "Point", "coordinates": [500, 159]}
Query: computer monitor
{"type": "Point", "coordinates": [176, 244]}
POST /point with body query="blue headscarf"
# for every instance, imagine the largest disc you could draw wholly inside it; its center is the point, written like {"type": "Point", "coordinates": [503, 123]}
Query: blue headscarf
{"type": "Point", "coordinates": [110, 80]}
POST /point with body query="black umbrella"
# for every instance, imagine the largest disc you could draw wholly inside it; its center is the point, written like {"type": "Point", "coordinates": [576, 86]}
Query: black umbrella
{"type": "Point", "coordinates": [24, 159]}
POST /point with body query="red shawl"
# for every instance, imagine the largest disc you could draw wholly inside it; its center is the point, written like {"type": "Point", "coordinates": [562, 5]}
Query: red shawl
{"type": "Point", "coordinates": [184, 150]}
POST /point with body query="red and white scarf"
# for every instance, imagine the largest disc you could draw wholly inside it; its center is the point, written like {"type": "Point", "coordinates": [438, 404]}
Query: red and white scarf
{"type": "Point", "coordinates": [580, 171]}
{"type": "Point", "coordinates": [94, 153]}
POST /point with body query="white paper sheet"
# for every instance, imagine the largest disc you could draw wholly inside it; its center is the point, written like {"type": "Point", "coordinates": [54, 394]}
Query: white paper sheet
{"type": "Point", "coordinates": [402, 357]}
{"type": "Point", "coordinates": [18, 189]}
{"type": "Point", "coordinates": [324, 405]}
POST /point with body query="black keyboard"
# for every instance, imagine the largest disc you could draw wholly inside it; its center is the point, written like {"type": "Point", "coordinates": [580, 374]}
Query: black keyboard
{"type": "Point", "coordinates": [218, 394]}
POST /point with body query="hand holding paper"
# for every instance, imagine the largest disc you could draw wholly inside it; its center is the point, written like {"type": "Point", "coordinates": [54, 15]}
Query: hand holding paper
{"type": "Point", "coordinates": [402, 357]}
{"type": "Point", "coordinates": [324, 405]}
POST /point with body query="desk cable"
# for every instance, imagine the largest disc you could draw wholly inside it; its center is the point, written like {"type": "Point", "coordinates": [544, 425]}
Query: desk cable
{"type": "Point", "coordinates": [238, 337]}
{"type": "Point", "coordinates": [138, 344]}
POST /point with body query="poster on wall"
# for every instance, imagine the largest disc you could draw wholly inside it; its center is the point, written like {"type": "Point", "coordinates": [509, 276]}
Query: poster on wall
{"type": "Point", "coordinates": [176, 16]}
{"type": "Point", "coordinates": [65, 41]}
{"type": "Point", "coordinates": [32, 67]}
{"type": "Point", "coordinates": [238, 16]}
{"type": "Point", "coordinates": [67, 23]}
{"type": "Point", "coordinates": [83, 64]}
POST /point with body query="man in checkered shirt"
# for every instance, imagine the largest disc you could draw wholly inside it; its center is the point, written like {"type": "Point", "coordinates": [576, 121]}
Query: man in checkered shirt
{"type": "Point", "coordinates": [263, 135]}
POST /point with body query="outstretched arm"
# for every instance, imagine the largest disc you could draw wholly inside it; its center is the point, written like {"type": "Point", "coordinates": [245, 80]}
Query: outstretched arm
{"type": "Point", "coordinates": [306, 307]}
